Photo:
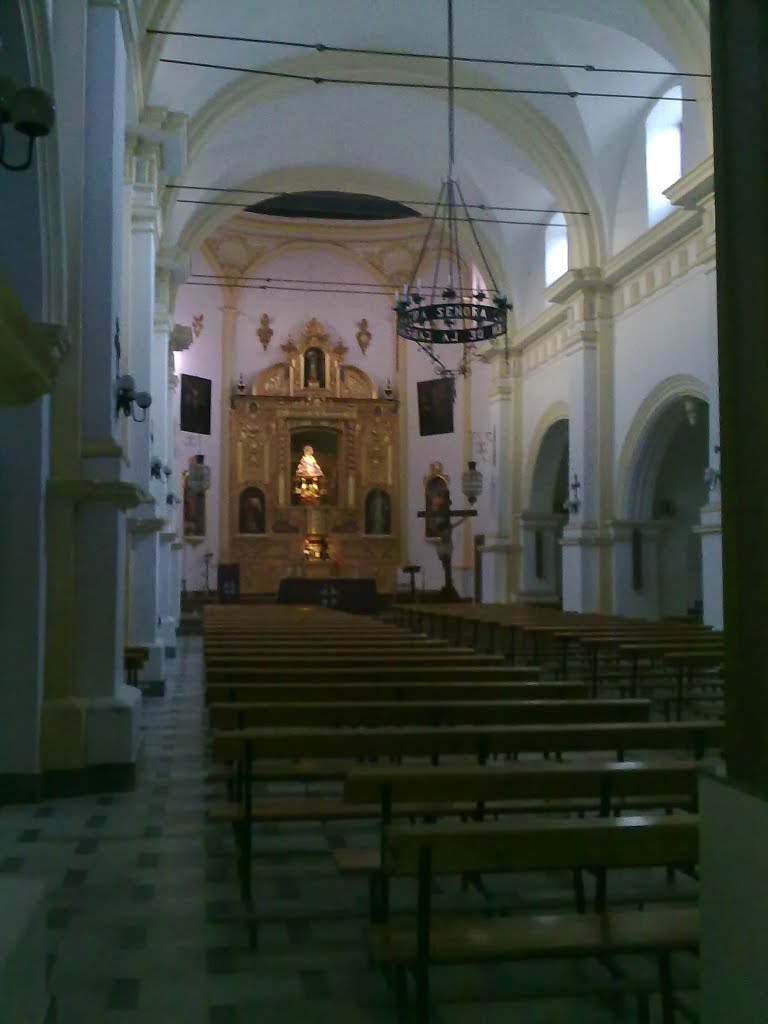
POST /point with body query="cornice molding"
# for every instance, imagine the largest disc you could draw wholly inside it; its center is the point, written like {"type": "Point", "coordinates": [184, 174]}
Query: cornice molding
{"type": "Point", "coordinates": [30, 352]}
{"type": "Point", "coordinates": [657, 241]}
{"type": "Point", "coordinates": [572, 282]}
{"type": "Point", "coordinates": [695, 187]}
{"type": "Point", "coordinates": [101, 448]}
{"type": "Point", "coordinates": [79, 490]}
{"type": "Point", "coordinates": [145, 524]}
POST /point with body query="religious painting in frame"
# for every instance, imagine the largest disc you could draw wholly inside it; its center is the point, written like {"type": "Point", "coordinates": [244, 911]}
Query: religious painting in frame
{"type": "Point", "coordinates": [195, 404]}
{"type": "Point", "coordinates": [435, 406]}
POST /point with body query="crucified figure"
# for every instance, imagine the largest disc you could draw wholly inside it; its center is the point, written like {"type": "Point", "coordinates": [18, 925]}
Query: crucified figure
{"type": "Point", "coordinates": [445, 521]}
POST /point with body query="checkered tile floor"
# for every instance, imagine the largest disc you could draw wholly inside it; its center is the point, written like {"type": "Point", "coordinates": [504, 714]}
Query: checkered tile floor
{"type": "Point", "coordinates": [143, 909]}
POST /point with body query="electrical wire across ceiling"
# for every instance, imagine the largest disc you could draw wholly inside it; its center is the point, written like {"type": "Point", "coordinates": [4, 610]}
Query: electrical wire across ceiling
{"type": "Point", "coordinates": [503, 61]}
{"type": "Point", "coordinates": [439, 86]}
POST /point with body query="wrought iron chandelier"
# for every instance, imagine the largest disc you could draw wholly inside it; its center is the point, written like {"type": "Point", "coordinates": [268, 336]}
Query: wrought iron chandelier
{"type": "Point", "coordinates": [450, 314]}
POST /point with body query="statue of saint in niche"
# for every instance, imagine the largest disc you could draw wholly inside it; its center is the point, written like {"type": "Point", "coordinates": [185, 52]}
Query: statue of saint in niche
{"type": "Point", "coordinates": [252, 512]}
{"type": "Point", "coordinates": [378, 513]}
{"type": "Point", "coordinates": [314, 368]}
{"type": "Point", "coordinates": [194, 511]}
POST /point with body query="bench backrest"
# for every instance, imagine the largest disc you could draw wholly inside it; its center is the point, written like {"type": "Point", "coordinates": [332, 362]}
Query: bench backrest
{"type": "Point", "coordinates": [609, 781]}
{"type": "Point", "coordinates": [542, 845]}
{"type": "Point", "coordinates": [478, 741]}
{"type": "Point", "coordinates": [252, 693]}
{"type": "Point", "coordinates": [449, 712]}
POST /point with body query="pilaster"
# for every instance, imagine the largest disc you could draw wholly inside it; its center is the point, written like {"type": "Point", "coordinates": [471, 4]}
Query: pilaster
{"type": "Point", "coordinates": [501, 552]}
{"type": "Point", "coordinates": [586, 568]}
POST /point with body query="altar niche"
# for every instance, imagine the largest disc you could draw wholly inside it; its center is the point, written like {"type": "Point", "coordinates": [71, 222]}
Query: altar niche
{"type": "Point", "coordinates": [326, 445]}
{"type": "Point", "coordinates": [252, 510]}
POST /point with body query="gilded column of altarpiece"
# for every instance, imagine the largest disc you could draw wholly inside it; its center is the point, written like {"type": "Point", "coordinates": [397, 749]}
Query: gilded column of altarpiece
{"type": "Point", "coordinates": [312, 396]}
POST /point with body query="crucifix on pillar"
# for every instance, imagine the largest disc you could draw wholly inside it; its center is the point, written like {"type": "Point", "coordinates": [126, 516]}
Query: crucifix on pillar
{"type": "Point", "coordinates": [445, 520]}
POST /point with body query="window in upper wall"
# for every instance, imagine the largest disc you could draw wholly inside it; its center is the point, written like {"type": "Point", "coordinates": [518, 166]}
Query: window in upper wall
{"type": "Point", "coordinates": [663, 151]}
{"type": "Point", "coordinates": [555, 250]}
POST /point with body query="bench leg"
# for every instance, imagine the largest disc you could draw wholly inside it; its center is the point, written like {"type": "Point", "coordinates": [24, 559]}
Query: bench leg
{"type": "Point", "coordinates": [578, 889]}
{"type": "Point", "coordinates": [665, 988]}
{"type": "Point", "coordinates": [401, 993]}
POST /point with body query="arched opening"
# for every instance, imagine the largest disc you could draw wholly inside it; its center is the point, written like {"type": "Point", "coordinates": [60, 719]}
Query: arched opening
{"type": "Point", "coordinates": [544, 519]}
{"type": "Point", "coordinates": [666, 491]}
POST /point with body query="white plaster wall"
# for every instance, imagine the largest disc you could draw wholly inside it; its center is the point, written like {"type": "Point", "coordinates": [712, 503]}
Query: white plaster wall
{"type": "Point", "coordinates": [203, 359]}
{"type": "Point", "coordinates": [668, 334]}
{"type": "Point", "coordinates": [340, 314]}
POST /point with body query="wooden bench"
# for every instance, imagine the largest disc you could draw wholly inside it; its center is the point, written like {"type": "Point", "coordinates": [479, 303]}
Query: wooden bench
{"type": "Point", "coordinates": [134, 659]}
{"type": "Point", "coordinates": [328, 714]}
{"type": "Point", "coordinates": [306, 673]}
{"type": "Point", "coordinates": [247, 748]}
{"type": "Point", "coordinates": [601, 844]}
{"type": "Point", "coordinates": [251, 693]}
{"type": "Point", "coordinates": [602, 787]}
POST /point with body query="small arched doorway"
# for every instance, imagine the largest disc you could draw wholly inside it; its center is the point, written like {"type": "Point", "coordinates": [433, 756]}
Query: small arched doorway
{"type": "Point", "coordinates": [665, 493]}
{"type": "Point", "coordinates": [543, 521]}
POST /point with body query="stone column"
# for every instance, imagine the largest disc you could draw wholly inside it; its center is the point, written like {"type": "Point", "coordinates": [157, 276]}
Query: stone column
{"type": "Point", "coordinates": [734, 833]}
{"type": "Point", "coordinates": [90, 718]}
{"type": "Point", "coordinates": [149, 520]}
{"type": "Point", "coordinates": [583, 571]}
{"type": "Point", "coordinates": [501, 552]}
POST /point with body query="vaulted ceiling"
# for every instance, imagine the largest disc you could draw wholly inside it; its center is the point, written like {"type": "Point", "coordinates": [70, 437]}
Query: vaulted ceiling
{"type": "Point", "coordinates": [524, 149]}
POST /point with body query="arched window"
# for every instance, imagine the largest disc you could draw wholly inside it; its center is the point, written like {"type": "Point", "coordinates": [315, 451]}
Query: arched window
{"type": "Point", "coordinates": [555, 249]}
{"type": "Point", "coordinates": [663, 151]}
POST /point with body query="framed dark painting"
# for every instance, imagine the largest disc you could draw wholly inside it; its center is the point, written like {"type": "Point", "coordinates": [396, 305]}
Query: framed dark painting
{"type": "Point", "coordinates": [435, 406]}
{"type": "Point", "coordinates": [195, 404]}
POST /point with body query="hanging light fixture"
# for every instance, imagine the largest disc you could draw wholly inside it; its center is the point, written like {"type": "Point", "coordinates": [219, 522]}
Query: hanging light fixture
{"type": "Point", "coordinates": [450, 314]}
{"type": "Point", "coordinates": [472, 483]}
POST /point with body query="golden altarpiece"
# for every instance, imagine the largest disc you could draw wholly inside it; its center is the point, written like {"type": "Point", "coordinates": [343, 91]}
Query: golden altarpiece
{"type": "Point", "coordinates": [313, 398]}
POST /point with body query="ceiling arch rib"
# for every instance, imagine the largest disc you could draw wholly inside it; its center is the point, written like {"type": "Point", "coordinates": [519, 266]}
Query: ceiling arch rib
{"type": "Point", "coordinates": [512, 117]}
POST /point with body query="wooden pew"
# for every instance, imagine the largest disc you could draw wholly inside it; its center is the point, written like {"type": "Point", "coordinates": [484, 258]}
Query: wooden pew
{"type": "Point", "coordinates": [134, 659]}
{"type": "Point", "coordinates": [377, 714]}
{"type": "Point", "coordinates": [249, 693]}
{"type": "Point", "coordinates": [602, 787]}
{"type": "Point", "coordinates": [426, 852]}
{"type": "Point", "coordinates": [306, 673]}
{"type": "Point", "coordinates": [248, 747]}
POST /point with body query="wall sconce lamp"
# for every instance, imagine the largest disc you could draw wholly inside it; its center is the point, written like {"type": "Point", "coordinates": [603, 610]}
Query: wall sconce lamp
{"type": "Point", "coordinates": [31, 113]}
{"type": "Point", "coordinates": [171, 499]}
{"type": "Point", "coordinates": [127, 398]}
{"type": "Point", "coordinates": [156, 468]}
{"type": "Point", "coordinates": [573, 504]}
{"type": "Point", "coordinates": [167, 472]}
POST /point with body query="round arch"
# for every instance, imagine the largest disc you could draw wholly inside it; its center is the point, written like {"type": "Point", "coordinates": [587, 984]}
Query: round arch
{"type": "Point", "coordinates": [555, 413]}
{"type": "Point", "coordinates": [641, 452]}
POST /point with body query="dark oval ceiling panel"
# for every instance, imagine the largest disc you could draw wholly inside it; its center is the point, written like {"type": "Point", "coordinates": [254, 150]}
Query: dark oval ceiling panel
{"type": "Point", "coordinates": [332, 206]}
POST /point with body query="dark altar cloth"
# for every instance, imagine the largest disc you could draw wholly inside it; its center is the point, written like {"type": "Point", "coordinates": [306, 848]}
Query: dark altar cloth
{"type": "Point", "coordinates": [344, 594]}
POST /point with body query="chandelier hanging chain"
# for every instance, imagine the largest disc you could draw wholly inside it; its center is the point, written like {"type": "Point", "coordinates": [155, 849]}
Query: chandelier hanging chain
{"type": "Point", "coordinates": [440, 317]}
